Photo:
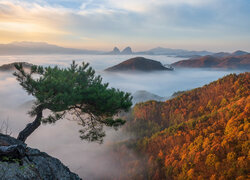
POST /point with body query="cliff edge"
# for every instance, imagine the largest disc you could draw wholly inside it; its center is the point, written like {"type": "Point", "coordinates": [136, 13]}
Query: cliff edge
{"type": "Point", "coordinates": [34, 165]}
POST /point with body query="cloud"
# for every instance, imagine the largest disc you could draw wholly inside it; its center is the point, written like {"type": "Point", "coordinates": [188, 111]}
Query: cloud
{"type": "Point", "coordinates": [32, 18]}
{"type": "Point", "coordinates": [139, 5]}
{"type": "Point", "coordinates": [105, 22]}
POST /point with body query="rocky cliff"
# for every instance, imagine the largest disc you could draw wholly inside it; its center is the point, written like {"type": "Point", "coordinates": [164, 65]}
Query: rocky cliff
{"type": "Point", "coordinates": [34, 165]}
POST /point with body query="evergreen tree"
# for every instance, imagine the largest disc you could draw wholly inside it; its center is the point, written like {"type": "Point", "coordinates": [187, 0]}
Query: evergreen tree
{"type": "Point", "coordinates": [75, 91]}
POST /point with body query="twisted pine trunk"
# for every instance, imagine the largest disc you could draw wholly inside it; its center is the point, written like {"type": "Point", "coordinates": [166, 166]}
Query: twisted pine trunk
{"type": "Point", "coordinates": [31, 127]}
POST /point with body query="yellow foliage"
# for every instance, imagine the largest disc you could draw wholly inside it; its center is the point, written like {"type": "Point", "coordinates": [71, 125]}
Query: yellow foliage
{"type": "Point", "coordinates": [160, 154]}
{"type": "Point", "coordinates": [213, 177]}
{"type": "Point", "coordinates": [231, 157]}
{"type": "Point", "coordinates": [190, 173]}
{"type": "Point", "coordinates": [240, 178]}
{"type": "Point", "coordinates": [211, 160]}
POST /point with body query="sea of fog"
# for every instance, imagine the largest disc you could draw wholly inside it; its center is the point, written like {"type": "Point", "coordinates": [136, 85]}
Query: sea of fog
{"type": "Point", "coordinates": [61, 140]}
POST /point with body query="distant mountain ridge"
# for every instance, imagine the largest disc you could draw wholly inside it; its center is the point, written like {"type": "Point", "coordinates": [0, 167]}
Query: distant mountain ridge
{"type": "Point", "coordinates": [225, 54]}
{"type": "Point", "coordinates": [26, 48]}
{"type": "Point", "coordinates": [174, 52]}
{"type": "Point", "coordinates": [239, 53]}
{"type": "Point", "coordinates": [138, 64]}
{"type": "Point", "coordinates": [218, 61]}
{"type": "Point", "coordinates": [29, 48]}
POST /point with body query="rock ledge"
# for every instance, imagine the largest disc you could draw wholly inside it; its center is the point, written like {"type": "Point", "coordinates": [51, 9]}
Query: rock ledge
{"type": "Point", "coordinates": [35, 165]}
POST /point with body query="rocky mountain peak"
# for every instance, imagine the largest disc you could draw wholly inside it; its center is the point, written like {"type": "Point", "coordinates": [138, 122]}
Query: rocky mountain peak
{"type": "Point", "coordinates": [127, 50]}
{"type": "Point", "coordinates": [116, 50]}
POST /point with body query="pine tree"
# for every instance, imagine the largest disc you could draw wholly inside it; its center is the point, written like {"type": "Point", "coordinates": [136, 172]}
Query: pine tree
{"type": "Point", "coordinates": [75, 92]}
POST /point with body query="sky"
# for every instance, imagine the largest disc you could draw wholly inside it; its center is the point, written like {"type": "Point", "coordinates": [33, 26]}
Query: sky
{"type": "Point", "coordinates": [215, 25]}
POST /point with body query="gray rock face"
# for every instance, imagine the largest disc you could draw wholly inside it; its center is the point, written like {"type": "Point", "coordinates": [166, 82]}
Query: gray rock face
{"type": "Point", "coordinates": [35, 165]}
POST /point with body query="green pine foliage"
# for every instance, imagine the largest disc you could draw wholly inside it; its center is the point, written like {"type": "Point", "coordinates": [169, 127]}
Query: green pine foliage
{"type": "Point", "coordinates": [76, 91]}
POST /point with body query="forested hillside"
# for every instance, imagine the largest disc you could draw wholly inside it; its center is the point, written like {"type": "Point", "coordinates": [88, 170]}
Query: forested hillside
{"type": "Point", "coordinates": [201, 134]}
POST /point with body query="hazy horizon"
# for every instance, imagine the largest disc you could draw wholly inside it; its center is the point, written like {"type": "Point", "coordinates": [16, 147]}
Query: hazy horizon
{"type": "Point", "coordinates": [16, 48]}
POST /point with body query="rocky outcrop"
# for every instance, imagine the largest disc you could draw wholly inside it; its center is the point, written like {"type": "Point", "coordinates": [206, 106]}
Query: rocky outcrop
{"type": "Point", "coordinates": [34, 165]}
{"type": "Point", "coordinates": [115, 51]}
{"type": "Point", "coordinates": [139, 64]}
{"type": "Point", "coordinates": [127, 50]}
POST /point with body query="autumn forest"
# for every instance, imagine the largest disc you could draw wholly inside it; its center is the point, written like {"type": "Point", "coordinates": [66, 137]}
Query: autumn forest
{"type": "Point", "coordinates": [200, 134]}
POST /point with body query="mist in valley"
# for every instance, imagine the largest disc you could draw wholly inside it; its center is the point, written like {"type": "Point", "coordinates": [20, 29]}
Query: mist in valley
{"type": "Point", "coordinates": [61, 140]}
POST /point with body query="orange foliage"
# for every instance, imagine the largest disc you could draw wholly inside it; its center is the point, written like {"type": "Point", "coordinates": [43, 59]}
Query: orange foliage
{"type": "Point", "coordinates": [205, 132]}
